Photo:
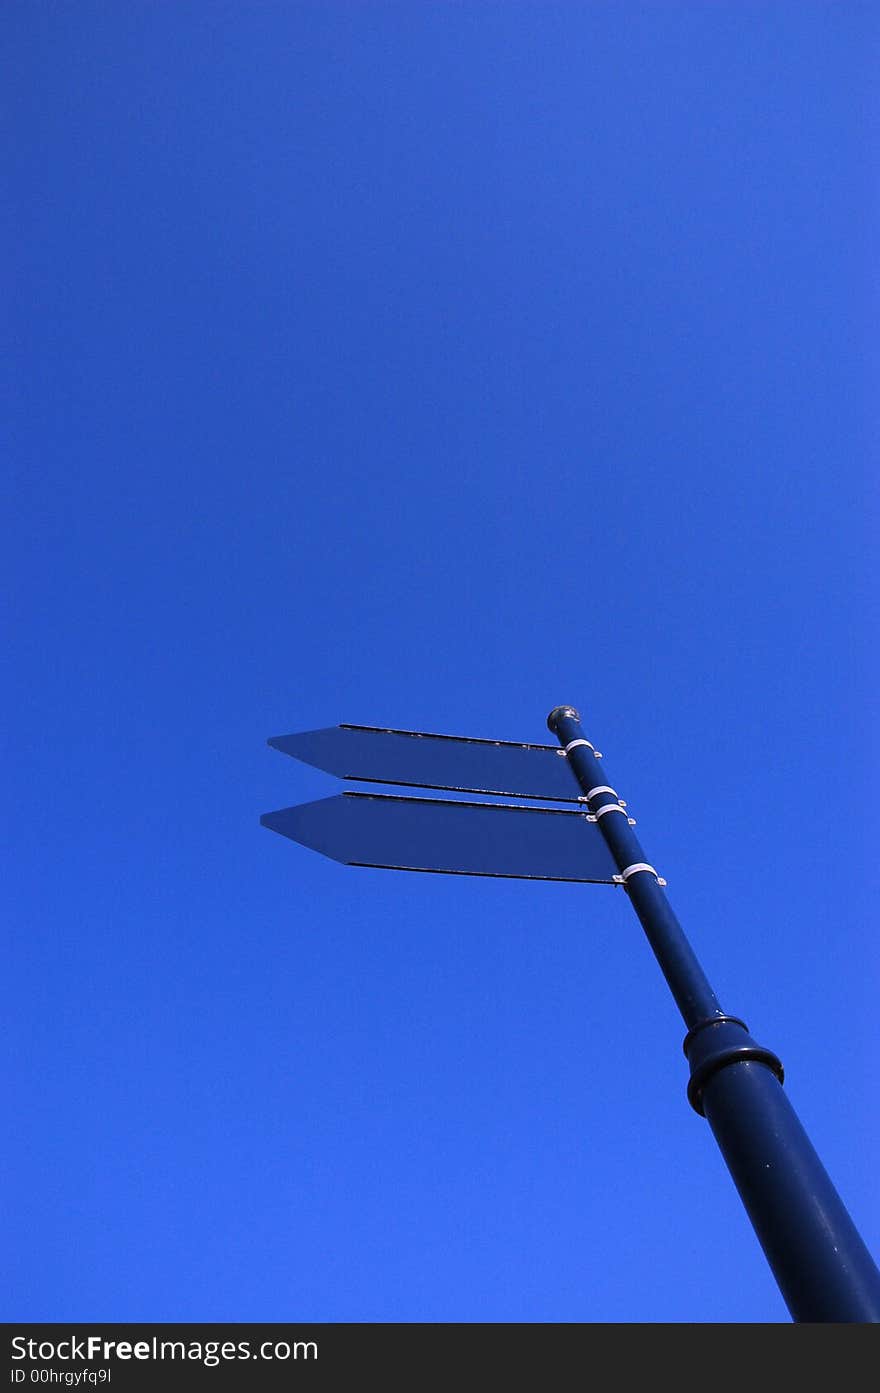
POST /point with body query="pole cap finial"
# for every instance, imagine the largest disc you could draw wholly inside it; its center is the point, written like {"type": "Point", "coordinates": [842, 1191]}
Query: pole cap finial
{"type": "Point", "coordinates": [559, 711]}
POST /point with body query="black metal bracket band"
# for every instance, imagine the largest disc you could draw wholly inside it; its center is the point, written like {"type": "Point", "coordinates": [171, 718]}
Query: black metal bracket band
{"type": "Point", "coordinates": [713, 1044]}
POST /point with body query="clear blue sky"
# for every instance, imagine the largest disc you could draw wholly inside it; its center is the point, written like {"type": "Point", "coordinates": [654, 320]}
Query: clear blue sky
{"type": "Point", "coordinates": [428, 365]}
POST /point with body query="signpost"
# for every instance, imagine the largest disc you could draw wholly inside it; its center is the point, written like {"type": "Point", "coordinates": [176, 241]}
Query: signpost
{"type": "Point", "coordinates": [372, 755]}
{"type": "Point", "coordinates": [820, 1262]}
{"type": "Point", "coordinates": [424, 834]}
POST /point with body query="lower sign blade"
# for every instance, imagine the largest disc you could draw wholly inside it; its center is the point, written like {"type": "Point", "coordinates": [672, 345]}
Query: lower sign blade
{"type": "Point", "coordinates": [426, 834]}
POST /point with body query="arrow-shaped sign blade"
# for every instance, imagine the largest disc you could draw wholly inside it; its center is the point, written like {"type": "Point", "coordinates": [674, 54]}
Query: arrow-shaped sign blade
{"type": "Point", "coordinates": [414, 759]}
{"type": "Point", "coordinates": [426, 834]}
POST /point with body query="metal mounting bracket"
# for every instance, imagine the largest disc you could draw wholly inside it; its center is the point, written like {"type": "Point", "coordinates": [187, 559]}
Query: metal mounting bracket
{"type": "Point", "coordinates": [631, 870]}
{"type": "Point", "coordinates": [610, 808]}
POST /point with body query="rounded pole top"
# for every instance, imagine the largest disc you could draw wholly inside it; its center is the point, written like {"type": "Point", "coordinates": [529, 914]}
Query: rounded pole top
{"type": "Point", "coordinates": [558, 712]}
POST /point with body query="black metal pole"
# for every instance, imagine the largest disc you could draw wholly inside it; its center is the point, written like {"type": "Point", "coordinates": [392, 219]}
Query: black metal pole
{"type": "Point", "coordinates": [823, 1268]}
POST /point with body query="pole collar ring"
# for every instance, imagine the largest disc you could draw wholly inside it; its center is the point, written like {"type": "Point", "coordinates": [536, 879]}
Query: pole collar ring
{"type": "Point", "coordinates": [730, 1048]}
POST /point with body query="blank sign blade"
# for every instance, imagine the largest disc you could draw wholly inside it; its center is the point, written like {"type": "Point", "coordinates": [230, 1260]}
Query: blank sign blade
{"type": "Point", "coordinates": [408, 757]}
{"type": "Point", "coordinates": [426, 834]}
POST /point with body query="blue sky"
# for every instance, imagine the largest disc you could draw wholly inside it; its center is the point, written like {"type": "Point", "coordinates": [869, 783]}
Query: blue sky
{"type": "Point", "coordinates": [426, 366]}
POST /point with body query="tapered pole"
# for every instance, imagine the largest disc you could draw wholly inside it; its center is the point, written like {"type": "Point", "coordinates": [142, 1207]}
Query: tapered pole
{"type": "Point", "coordinates": [820, 1262]}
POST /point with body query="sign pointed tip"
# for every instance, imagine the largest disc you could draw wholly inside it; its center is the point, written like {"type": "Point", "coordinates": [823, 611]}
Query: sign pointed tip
{"type": "Point", "coordinates": [316, 747]}
{"type": "Point", "coordinates": [318, 826]}
{"type": "Point", "coordinates": [281, 742]}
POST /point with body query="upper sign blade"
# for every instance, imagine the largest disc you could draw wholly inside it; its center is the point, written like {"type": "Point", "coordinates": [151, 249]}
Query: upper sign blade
{"type": "Point", "coordinates": [427, 834]}
{"type": "Point", "coordinates": [411, 758]}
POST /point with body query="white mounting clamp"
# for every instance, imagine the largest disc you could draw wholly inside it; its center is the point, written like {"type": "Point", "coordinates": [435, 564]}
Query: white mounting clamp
{"type": "Point", "coordinates": [610, 808]}
{"type": "Point", "coordinates": [600, 788]}
{"type": "Point", "coordinates": [631, 870]}
{"type": "Point", "coordinates": [572, 743]}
